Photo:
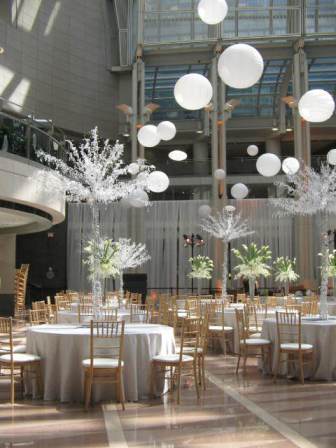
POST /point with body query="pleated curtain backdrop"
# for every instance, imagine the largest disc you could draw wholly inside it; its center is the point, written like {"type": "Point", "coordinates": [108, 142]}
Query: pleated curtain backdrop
{"type": "Point", "coordinates": [161, 226]}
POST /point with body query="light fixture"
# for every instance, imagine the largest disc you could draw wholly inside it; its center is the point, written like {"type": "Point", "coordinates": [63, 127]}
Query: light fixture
{"type": "Point", "coordinates": [193, 91]}
{"type": "Point", "coordinates": [166, 130]}
{"type": "Point", "coordinates": [177, 155]}
{"type": "Point", "coordinates": [148, 136]}
{"type": "Point", "coordinates": [199, 131]}
{"type": "Point", "coordinates": [268, 165]}
{"type": "Point", "coordinates": [212, 12]}
{"type": "Point", "coordinates": [126, 134]}
{"type": "Point", "coordinates": [275, 128]}
{"type": "Point", "coordinates": [2, 50]}
{"type": "Point", "coordinates": [316, 106]}
{"type": "Point", "coordinates": [204, 210]}
{"type": "Point", "coordinates": [289, 127]}
{"type": "Point", "coordinates": [252, 150]}
{"type": "Point", "coordinates": [158, 182]}
{"type": "Point", "coordinates": [239, 191]}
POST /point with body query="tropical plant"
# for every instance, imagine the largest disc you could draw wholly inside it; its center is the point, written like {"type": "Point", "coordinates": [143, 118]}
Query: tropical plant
{"type": "Point", "coordinates": [253, 263]}
{"type": "Point", "coordinates": [201, 267]}
{"type": "Point", "coordinates": [102, 258]}
{"type": "Point", "coordinates": [332, 264]}
{"type": "Point", "coordinates": [285, 273]}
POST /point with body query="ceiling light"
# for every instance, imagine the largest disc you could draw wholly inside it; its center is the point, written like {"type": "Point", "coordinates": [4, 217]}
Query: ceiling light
{"type": "Point", "coordinates": [2, 50]}
{"type": "Point", "coordinates": [200, 131]}
{"type": "Point", "coordinates": [177, 155]}
{"type": "Point", "coordinates": [275, 128]}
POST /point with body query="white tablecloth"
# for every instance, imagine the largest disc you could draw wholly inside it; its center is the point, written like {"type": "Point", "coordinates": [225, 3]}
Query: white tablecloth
{"type": "Point", "coordinates": [62, 349]}
{"type": "Point", "coordinates": [322, 335]}
{"type": "Point", "coordinates": [71, 317]}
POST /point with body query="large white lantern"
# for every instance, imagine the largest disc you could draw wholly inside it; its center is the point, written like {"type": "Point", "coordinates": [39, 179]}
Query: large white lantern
{"type": "Point", "coordinates": [220, 174]}
{"type": "Point", "coordinates": [290, 165]}
{"type": "Point", "coordinates": [268, 165]}
{"type": "Point", "coordinates": [204, 211]}
{"type": "Point", "coordinates": [252, 150]}
{"type": "Point", "coordinates": [158, 181]}
{"type": "Point", "coordinates": [230, 208]}
{"type": "Point", "coordinates": [193, 91]}
{"type": "Point", "coordinates": [240, 66]}
{"type": "Point", "coordinates": [138, 199]}
{"type": "Point", "coordinates": [133, 168]}
{"type": "Point", "coordinates": [331, 157]}
{"type": "Point", "coordinates": [166, 130]}
{"type": "Point", "coordinates": [148, 136]}
{"type": "Point", "coordinates": [212, 12]}
{"type": "Point", "coordinates": [239, 191]}
{"type": "Point", "coordinates": [316, 106]}
{"type": "Point", "coordinates": [177, 155]}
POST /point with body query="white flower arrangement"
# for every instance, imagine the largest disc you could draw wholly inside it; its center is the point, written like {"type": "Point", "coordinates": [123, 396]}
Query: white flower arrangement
{"type": "Point", "coordinates": [285, 273]}
{"type": "Point", "coordinates": [102, 258]}
{"type": "Point", "coordinates": [201, 267]}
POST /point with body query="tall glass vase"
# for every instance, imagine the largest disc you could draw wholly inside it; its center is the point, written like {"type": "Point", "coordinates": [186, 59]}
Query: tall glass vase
{"type": "Point", "coordinates": [225, 271]}
{"type": "Point", "coordinates": [121, 287]}
{"type": "Point", "coordinates": [97, 282]}
{"type": "Point", "coordinates": [324, 276]}
{"type": "Point", "coordinates": [251, 287]}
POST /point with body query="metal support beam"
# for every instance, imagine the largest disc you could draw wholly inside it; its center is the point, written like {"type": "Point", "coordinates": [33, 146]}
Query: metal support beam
{"type": "Point", "coordinates": [135, 112]}
{"type": "Point", "coordinates": [222, 139]}
{"type": "Point", "coordinates": [214, 131]}
{"type": "Point", "coordinates": [141, 85]}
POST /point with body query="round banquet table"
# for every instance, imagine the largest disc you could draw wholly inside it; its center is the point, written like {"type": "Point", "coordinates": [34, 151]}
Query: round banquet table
{"type": "Point", "coordinates": [63, 347]}
{"type": "Point", "coordinates": [71, 317]}
{"type": "Point", "coordinates": [322, 335]}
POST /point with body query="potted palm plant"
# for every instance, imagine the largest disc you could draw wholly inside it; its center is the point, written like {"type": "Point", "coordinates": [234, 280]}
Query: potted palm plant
{"type": "Point", "coordinates": [285, 273]}
{"type": "Point", "coordinates": [332, 268]}
{"type": "Point", "coordinates": [201, 268]}
{"type": "Point", "coordinates": [253, 264]}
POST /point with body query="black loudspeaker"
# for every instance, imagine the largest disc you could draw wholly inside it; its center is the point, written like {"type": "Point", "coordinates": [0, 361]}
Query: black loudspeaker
{"type": "Point", "coordinates": [136, 283]}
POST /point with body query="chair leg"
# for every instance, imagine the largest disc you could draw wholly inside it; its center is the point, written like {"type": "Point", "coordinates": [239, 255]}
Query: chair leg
{"type": "Point", "coordinates": [224, 342]}
{"type": "Point", "coordinates": [244, 362]}
{"type": "Point", "coordinates": [196, 379]}
{"type": "Point", "coordinates": [12, 389]}
{"type": "Point", "coordinates": [237, 368]}
{"type": "Point", "coordinates": [178, 400]}
{"type": "Point", "coordinates": [203, 372]}
{"type": "Point", "coordinates": [152, 376]}
{"type": "Point", "coordinates": [122, 389]}
{"type": "Point", "coordinates": [301, 368]}
{"type": "Point", "coordinates": [39, 382]}
{"type": "Point", "coordinates": [88, 387]}
{"type": "Point", "coordinates": [276, 367]}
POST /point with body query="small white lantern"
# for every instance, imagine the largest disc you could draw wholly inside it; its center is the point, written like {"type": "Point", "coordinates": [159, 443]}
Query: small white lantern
{"type": "Point", "coordinates": [239, 191]}
{"type": "Point", "coordinates": [166, 130]}
{"type": "Point", "coordinates": [268, 165]}
{"type": "Point", "coordinates": [220, 174]}
{"type": "Point", "coordinates": [148, 136]}
{"type": "Point", "coordinates": [204, 211]}
{"type": "Point", "coordinates": [133, 168]}
{"type": "Point", "coordinates": [158, 182]}
{"type": "Point", "coordinates": [230, 208]}
{"type": "Point", "coordinates": [240, 66]}
{"type": "Point", "coordinates": [316, 106]}
{"type": "Point", "coordinates": [331, 157]}
{"type": "Point", "coordinates": [212, 12]}
{"type": "Point", "coordinates": [252, 150]}
{"type": "Point", "coordinates": [177, 155]}
{"type": "Point", "coordinates": [193, 91]}
{"type": "Point", "coordinates": [290, 165]}
{"type": "Point", "coordinates": [138, 199]}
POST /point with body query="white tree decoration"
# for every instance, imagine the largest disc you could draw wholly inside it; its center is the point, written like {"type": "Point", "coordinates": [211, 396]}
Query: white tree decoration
{"type": "Point", "coordinates": [227, 226]}
{"type": "Point", "coordinates": [94, 174]}
{"type": "Point", "coordinates": [312, 193]}
{"type": "Point", "coordinates": [131, 255]}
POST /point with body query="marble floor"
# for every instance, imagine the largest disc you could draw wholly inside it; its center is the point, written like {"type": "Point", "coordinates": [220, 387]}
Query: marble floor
{"type": "Point", "coordinates": [234, 412]}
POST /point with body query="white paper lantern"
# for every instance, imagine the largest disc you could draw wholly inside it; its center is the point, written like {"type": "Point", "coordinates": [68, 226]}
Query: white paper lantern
{"type": "Point", "coordinates": [138, 199]}
{"type": "Point", "coordinates": [230, 208]}
{"type": "Point", "coordinates": [177, 155]}
{"type": "Point", "coordinates": [166, 130]}
{"type": "Point", "coordinates": [240, 66]}
{"type": "Point", "coordinates": [268, 165]}
{"type": "Point", "coordinates": [239, 191]}
{"type": "Point", "coordinates": [331, 157]}
{"type": "Point", "coordinates": [133, 168]}
{"type": "Point", "coordinates": [212, 12]}
{"type": "Point", "coordinates": [252, 150]}
{"type": "Point", "coordinates": [219, 174]}
{"type": "Point", "coordinates": [204, 211]}
{"type": "Point", "coordinates": [158, 181]}
{"type": "Point", "coordinates": [193, 91]}
{"type": "Point", "coordinates": [316, 106]}
{"type": "Point", "coordinates": [148, 136]}
{"type": "Point", "coordinates": [290, 165]}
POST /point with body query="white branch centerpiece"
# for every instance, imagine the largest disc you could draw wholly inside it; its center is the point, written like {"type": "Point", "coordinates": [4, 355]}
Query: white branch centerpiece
{"type": "Point", "coordinates": [312, 193]}
{"type": "Point", "coordinates": [131, 256]}
{"type": "Point", "coordinates": [227, 226]}
{"type": "Point", "coordinates": [95, 173]}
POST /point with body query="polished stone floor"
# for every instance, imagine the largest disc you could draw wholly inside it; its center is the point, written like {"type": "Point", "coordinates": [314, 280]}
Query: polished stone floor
{"type": "Point", "coordinates": [234, 412]}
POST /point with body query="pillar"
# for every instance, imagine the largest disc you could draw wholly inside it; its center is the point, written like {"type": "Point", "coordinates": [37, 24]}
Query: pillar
{"type": "Point", "coordinates": [7, 272]}
{"type": "Point", "coordinates": [134, 117]}
{"type": "Point", "coordinates": [200, 157]}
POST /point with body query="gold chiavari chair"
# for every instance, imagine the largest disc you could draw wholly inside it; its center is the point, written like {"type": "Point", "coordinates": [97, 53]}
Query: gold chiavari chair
{"type": "Point", "coordinates": [262, 347]}
{"type": "Point", "coordinates": [255, 315]}
{"type": "Point", "coordinates": [38, 317]}
{"type": "Point", "coordinates": [272, 301]}
{"type": "Point", "coordinates": [105, 364]}
{"type": "Point", "coordinates": [217, 330]}
{"type": "Point", "coordinates": [62, 303]}
{"type": "Point", "coordinates": [51, 311]}
{"type": "Point", "coordinates": [289, 343]}
{"type": "Point", "coordinates": [290, 300]}
{"type": "Point", "coordinates": [109, 314]}
{"type": "Point", "coordinates": [176, 366]}
{"type": "Point", "coordinates": [39, 305]}
{"type": "Point", "coordinates": [86, 300]}
{"type": "Point", "coordinates": [85, 313]}
{"type": "Point", "coordinates": [15, 361]}
{"type": "Point", "coordinates": [192, 306]}
{"type": "Point", "coordinates": [206, 297]}
{"type": "Point", "coordinates": [139, 313]}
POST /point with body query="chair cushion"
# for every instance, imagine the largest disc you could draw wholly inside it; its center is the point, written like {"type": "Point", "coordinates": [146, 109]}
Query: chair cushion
{"type": "Point", "coordinates": [20, 357]}
{"type": "Point", "coordinates": [173, 359]}
{"type": "Point", "coordinates": [189, 350]}
{"type": "Point", "coordinates": [16, 349]}
{"type": "Point", "coordinates": [255, 335]}
{"type": "Point", "coordinates": [295, 346]}
{"type": "Point", "coordinates": [255, 341]}
{"type": "Point", "coordinates": [102, 363]}
{"type": "Point", "coordinates": [219, 328]}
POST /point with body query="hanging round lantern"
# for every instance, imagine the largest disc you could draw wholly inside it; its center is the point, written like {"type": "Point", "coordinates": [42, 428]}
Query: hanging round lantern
{"type": "Point", "coordinates": [177, 155]}
{"type": "Point", "coordinates": [158, 182]}
{"type": "Point", "coordinates": [316, 106]}
{"type": "Point", "coordinates": [166, 130]}
{"type": "Point", "coordinates": [193, 91]}
{"type": "Point", "coordinates": [148, 136]}
{"type": "Point", "coordinates": [268, 165]}
{"type": "Point", "coordinates": [212, 12]}
{"type": "Point", "coordinates": [239, 191]}
{"type": "Point", "coordinates": [290, 165]}
{"type": "Point", "coordinates": [204, 211]}
{"type": "Point", "coordinates": [133, 168]}
{"type": "Point", "coordinates": [220, 174]}
{"type": "Point", "coordinates": [138, 199]}
{"type": "Point", "coordinates": [230, 208]}
{"type": "Point", "coordinates": [240, 66]}
{"type": "Point", "coordinates": [331, 157]}
{"type": "Point", "coordinates": [252, 150]}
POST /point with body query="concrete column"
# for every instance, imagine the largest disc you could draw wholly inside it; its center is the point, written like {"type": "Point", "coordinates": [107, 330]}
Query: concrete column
{"type": "Point", "coordinates": [141, 85]}
{"type": "Point", "coordinates": [273, 146]}
{"type": "Point", "coordinates": [214, 131]}
{"type": "Point", "coordinates": [134, 117]}
{"type": "Point", "coordinates": [200, 157]}
{"type": "Point", "coordinates": [7, 263]}
{"type": "Point", "coordinates": [222, 141]}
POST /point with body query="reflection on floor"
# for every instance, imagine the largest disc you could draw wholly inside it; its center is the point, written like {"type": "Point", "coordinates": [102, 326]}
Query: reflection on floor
{"type": "Point", "coordinates": [234, 412]}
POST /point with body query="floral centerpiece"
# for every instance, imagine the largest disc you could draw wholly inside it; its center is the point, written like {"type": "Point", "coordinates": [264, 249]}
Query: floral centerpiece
{"type": "Point", "coordinates": [201, 268]}
{"type": "Point", "coordinates": [285, 273]}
